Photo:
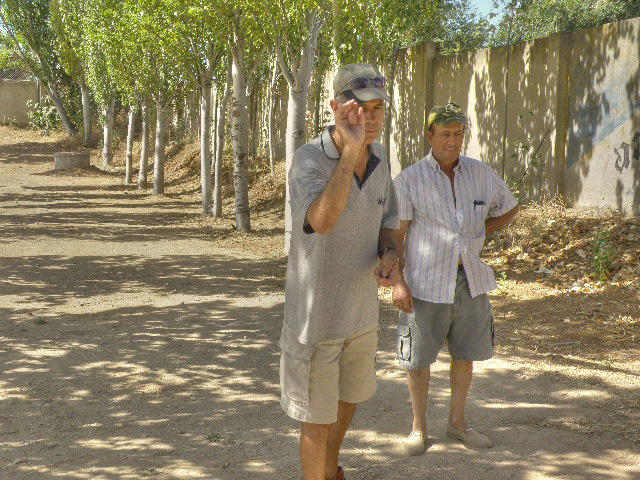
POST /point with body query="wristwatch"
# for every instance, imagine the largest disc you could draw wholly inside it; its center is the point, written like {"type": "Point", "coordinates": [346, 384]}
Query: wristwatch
{"type": "Point", "coordinates": [385, 250]}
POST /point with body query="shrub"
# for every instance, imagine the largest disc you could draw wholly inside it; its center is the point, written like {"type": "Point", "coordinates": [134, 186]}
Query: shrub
{"type": "Point", "coordinates": [603, 255]}
{"type": "Point", "coordinates": [43, 117]}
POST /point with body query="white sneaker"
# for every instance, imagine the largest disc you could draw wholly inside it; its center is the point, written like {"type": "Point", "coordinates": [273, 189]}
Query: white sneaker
{"type": "Point", "coordinates": [415, 444]}
{"type": "Point", "coordinates": [470, 437]}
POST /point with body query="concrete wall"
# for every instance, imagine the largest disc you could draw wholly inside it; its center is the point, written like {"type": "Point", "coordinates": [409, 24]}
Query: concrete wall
{"type": "Point", "coordinates": [13, 99]}
{"type": "Point", "coordinates": [572, 99]}
{"type": "Point", "coordinates": [603, 142]}
{"type": "Point", "coordinates": [476, 82]}
{"type": "Point", "coordinates": [412, 100]}
{"type": "Point", "coordinates": [509, 125]}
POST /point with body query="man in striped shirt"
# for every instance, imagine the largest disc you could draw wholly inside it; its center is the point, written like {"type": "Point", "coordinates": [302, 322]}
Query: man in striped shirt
{"type": "Point", "coordinates": [447, 204]}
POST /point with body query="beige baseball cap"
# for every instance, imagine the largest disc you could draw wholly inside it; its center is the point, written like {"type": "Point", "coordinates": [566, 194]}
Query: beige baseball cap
{"type": "Point", "coordinates": [361, 82]}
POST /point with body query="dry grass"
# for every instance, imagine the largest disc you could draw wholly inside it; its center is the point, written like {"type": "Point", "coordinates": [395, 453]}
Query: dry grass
{"type": "Point", "coordinates": [562, 240]}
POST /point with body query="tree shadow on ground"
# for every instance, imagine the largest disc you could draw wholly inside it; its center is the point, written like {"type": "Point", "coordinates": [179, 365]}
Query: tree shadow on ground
{"type": "Point", "coordinates": [179, 383]}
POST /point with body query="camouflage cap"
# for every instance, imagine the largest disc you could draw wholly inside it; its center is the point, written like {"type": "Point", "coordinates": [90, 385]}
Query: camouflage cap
{"type": "Point", "coordinates": [450, 113]}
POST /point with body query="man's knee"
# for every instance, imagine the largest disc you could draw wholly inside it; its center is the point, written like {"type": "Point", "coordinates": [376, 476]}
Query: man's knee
{"type": "Point", "coordinates": [347, 406]}
{"type": "Point", "coordinates": [461, 365]}
{"type": "Point", "coordinates": [314, 430]}
{"type": "Point", "coordinates": [423, 373]}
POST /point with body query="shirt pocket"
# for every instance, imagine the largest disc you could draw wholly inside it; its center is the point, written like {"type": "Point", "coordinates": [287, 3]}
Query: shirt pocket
{"type": "Point", "coordinates": [295, 367]}
{"type": "Point", "coordinates": [476, 216]}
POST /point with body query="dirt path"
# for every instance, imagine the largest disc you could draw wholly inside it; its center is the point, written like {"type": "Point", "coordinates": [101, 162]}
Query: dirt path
{"type": "Point", "coordinates": [132, 347]}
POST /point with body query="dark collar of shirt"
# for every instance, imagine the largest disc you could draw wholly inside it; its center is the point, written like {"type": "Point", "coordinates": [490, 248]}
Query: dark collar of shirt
{"type": "Point", "coordinates": [330, 149]}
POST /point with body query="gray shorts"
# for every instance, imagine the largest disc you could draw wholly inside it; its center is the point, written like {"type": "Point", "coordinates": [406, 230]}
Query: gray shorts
{"type": "Point", "coordinates": [467, 325]}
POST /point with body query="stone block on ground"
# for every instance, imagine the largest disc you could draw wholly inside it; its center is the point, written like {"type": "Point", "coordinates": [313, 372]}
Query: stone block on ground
{"type": "Point", "coordinates": [66, 160]}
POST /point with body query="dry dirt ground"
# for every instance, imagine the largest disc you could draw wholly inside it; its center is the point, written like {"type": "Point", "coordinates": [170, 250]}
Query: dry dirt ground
{"type": "Point", "coordinates": [139, 340]}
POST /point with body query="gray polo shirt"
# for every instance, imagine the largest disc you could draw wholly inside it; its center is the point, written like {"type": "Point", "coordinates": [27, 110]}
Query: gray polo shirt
{"type": "Point", "coordinates": [331, 291]}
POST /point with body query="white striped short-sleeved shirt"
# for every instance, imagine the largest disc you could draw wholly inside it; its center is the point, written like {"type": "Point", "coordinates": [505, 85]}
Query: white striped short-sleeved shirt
{"type": "Point", "coordinates": [443, 229]}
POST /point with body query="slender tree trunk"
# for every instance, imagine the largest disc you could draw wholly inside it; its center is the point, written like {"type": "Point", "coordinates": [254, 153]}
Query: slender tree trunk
{"type": "Point", "coordinates": [316, 104]}
{"type": "Point", "coordinates": [86, 113]}
{"type": "Point", "coordinates": [107, 151]}
{"type": "Point", "coordinates": [144, 148]}
{"type": "Point", "coordinates": [389, 115]}
{"type": "Point", "coordinates": [205, 152]}
{"type": "Point", "coordinates": [296, 130]}
{"type": "Point", "coordinates": [128, 175]}
{"type": "Point", "coordinates": [253, 117]}
{"type": "Point", "coordinates": [222, 110]}
{"type": "Point", "coordinates": [62, 113]}
{"type": "Point", "coordinates": [162, 114]}
{"type": "Point", "coordinates": [271, 98]}
{"type": "Point", "coordinates": [299, 80]}
{"type": "Point", "coordinates": [195, 113]}
{"type": "Point", "coordinates": [215, 100]}
{"type": "Point", "coordinates": [240, 135]}
{"type": "Point", "coordinates": [179, 119]}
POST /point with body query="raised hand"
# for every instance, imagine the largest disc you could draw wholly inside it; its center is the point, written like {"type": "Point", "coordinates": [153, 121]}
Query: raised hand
{"type": "Point", "coordinates": [349, 120]}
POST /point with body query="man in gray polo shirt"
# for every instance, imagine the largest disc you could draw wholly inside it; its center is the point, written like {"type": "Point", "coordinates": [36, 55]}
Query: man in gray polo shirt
{"type": "Point", "coordinates": [447, 204]}
{"type": "Point", "coordinates": [343, 209]}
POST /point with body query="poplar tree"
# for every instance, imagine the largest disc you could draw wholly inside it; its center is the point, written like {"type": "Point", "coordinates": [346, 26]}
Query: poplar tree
{"type": "Point", "coordinates": [294, 34]}
{"type": "Point", "coordinates": [28, 27]}
{"type": "Point", "coordinates": [67, 25]}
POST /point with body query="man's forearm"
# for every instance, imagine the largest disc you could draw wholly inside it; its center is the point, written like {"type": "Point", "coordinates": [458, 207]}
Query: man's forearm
{"type": "Point", "coordinates": [493, 224]}
{"type": "Point", "coordinates": [324, 212]}
{"type": "Point", "coordinates": [399, 237]}
{"type": "Point", "coordinates": [386, 240]}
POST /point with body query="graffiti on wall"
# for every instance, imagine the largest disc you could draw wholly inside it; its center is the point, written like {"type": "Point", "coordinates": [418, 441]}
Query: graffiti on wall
{"type": "Point", "coordinates": [626, 151]}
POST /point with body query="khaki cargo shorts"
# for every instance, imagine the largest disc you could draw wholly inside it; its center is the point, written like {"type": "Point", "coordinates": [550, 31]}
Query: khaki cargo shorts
{"type": "Point", "coordinates": [314, 377]}
{"type": "Point", "coordinates": [466, 325]}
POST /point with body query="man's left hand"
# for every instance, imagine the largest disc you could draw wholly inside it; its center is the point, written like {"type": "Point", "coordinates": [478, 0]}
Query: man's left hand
{"type": "Point", "coordinates": [387, 273]}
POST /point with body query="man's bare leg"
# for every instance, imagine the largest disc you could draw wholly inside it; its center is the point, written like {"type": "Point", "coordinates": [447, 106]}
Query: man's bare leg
{"type": "Point", "coordinates": [313, 449]}
{"type": "Point", "coordinates": [418, 382]}
{"type": "Point", "coordinates": [460, 375]}
{"type": "Point", "coordinates": [336, 434]}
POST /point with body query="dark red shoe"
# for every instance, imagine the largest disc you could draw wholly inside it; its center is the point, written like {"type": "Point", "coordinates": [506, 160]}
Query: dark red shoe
{"type": "Point", "coordinates": [340, 474]}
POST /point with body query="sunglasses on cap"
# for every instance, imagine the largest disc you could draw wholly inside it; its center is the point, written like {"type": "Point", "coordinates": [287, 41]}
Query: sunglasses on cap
{"type": "Point", "coordinates": [360, 83]}
{"type": "Point", "coordinates": [452, 107]}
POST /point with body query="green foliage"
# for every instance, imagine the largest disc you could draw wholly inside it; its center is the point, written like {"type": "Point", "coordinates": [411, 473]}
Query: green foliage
{"type": "Point", "coordinates": [27, 33]}
{"type": "Point", "coordinates": [8, 59]}
{"type": "Point", "coordinates": [373, 32]}
{"type": "Point", "coordinates": [603, 255]}
{"type": "Point", "coordinates": [528, 19]}
{"type": "Point", "coordinates": [463, 29]}
{"type": "Point", "coordinates": [199, 23]}
{"type": "Point", "coordinates": [504, 284]}
{"type": "Point", "coordinates": [66, 23]}
{"type": "Point", "coordinates": [43, 117]}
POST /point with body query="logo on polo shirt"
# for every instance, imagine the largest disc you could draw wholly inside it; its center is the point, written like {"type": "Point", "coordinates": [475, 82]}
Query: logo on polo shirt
{"type": "Point", "coordinates": [381, 201]}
